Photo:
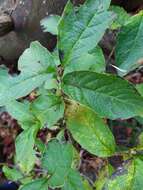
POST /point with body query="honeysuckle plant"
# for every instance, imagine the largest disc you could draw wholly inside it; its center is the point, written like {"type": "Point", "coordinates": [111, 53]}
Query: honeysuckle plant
{"type": "Point", "coordinates": [74, 94]}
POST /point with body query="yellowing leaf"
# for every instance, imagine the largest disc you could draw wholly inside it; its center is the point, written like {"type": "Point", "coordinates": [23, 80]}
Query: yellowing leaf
{"type": "Point", "coordinates": [89, 130]}
{"type": "Point", "coordinates": [129, 177]}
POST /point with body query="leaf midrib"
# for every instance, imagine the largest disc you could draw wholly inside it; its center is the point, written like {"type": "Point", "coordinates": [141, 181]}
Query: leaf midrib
{"type": "Point", "coordinates": [111, 97]}
{"type": "Point", "coordinates": [81, 33]}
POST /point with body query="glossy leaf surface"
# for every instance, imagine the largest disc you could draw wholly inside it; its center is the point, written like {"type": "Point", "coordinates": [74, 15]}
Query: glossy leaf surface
{"type": "Point", "coordinates": [129, 48]}
{"type": "Point", "coordinates": [108, 95]}
{"type": "Point", "coordinates": [80, 29]}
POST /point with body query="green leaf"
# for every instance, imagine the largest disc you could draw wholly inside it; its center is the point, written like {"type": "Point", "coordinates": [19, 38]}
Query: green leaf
{"type": "Point", "coordinates": [35, 64]}
{"type": "Point", "coordinates": [45, 110]}
{"type": "Point", "coordinates": [12, 174]}
{"type": "Point", "coordinates": [35, 60]}
{"type": "Point", "coordinates": [121, 17]}
{"type": "Point", "coordinates": [57, 160]}
{"type": "Point", "coordinates": [139, 88]}
{"type": "Point", "coordinates": [61, 136]}
{"type": "Point", "coordinates": [56, 57]}
{"type": "Point", "coordinates": [129, 177]}
{"type": "Point", "coordinates": [103, 176]}
{"type": "Point", "coordinates": [92, 61]}
{"type": "Point", "coordinates": [25, 154]}
{"type": "Point", "coordinates": [87, 186]}
{"type": "Point", "coordinates": [108, 95]}
{"type": "Point", "coordinates": [50, 24]}
{"type": "Point", "coordinates": [38, 184]}
{"type": "Point", "coordinates": [80, 29]}
{"type": "Point", "coordinates": [19, 87]}
{"type": "Point", "coordinates": [51, 83]}
{"type": "Point", "coordinates": [76, 159]}
{"type": "Point", "coordinates": [129, 48]}
{"type": "Point", "coordinates": [139, 119]}
{"type": "Point", "coordinates": [5, 79]}
{"type": "Point", "coordinates": [89, 130]}
{"type": "Point", "coordinates": [40, 145]}
{"type": "Point", "coordinates": [26, 180]}
{"type": "Point", "coordinates": [21, 112]}
{"type": "Point", "coordinates": [140, 141]}
{"type": "Point", "coordinates": [73, 181]}
{"type": "Point", "coordinates": [48, 109]}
